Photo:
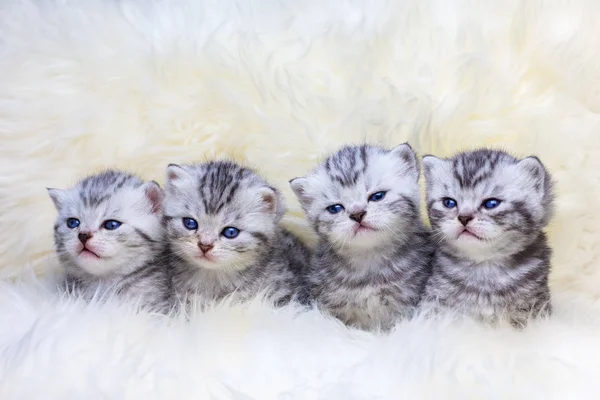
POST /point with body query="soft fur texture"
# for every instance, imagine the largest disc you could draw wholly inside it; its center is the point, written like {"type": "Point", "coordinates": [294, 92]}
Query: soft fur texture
{"type": "Point", "coordinates": [205, 201]}
{"type": "Point", "coordinates": [140, 84]}
{"type": "Point", "coordinates": [488, 211]}
{"type": "Point", "coordinates": [373, 258]}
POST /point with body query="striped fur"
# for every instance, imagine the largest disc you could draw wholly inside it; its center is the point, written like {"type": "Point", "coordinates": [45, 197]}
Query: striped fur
{"type": "Point", "coordinates": [263, 257]}
{"type": "Point", "coordinates": [501, 268]}
{"type": "Point", "coordinates": [367, 277]}
{"type": "Point", "coordinates": [127, 260]}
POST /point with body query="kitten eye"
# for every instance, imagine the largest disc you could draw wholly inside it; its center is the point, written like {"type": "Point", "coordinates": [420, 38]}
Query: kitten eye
{"type": "Point", "coordinates": [448, 202]}
{"type": "Point", "coordinates": [230, 232]}
{"type": "Point", "coordinates": [190, 223]}
{"type": "Point", "coordinates": [491, 203]}
{"type": "Point", "coordinates": [335, 208]}
{"type": "Point", "coordinates": [111, 224]}
{"type": "Point", "coordinates": [377, 196]}
{"type": "Point", "coordinates": [73, 223]}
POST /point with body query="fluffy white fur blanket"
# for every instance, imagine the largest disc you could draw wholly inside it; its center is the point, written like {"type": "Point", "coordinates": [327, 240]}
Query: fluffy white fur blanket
{"type": "Point", "coordinates": [277, 84]}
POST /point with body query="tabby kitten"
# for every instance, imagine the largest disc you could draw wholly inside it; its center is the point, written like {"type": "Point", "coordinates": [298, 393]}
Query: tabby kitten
{"type": "Point", "coordinates": [372, 261]}
{"type": "Point", "coordinates": [108, 237]}
{"type": "Point", "coordinates": [223, 232]}
{"type": "Point", "coordinates": [487, 210]}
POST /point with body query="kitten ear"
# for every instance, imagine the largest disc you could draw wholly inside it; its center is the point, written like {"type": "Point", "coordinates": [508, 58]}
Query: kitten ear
{"type": "Point", "coordinates": [432, 165]}
{"type": "Point", "coordinates": [176, 178]}
{"type": "Point", "coordinates": [299, 187]}
{"type": "Point", "coordinates": [154, 194]}
{"type": "Point", "coordinates": [272, 201]}
{"type": "Point", "coordinates": [534, 175]}
{"type": "Point", "coordinates": [57, 196]}
{"type": "Point", "coordinates": [408, 157]}
{"type": "Point", "coordinates": [175, 173]}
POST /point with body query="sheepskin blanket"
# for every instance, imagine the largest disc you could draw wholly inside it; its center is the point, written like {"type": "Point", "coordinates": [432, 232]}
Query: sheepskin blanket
{"type": "Point", "coordinates": [276, 84]}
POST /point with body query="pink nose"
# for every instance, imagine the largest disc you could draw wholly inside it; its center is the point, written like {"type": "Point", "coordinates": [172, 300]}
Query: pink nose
{"type": "Point", "coordinates": [84, 237]}
{"type": "Point", "coordinates": [205, 247]}
{"type": "Point", "coordinates": [358, 217]}
{"type": "Point", "coordinates": [464, 219]}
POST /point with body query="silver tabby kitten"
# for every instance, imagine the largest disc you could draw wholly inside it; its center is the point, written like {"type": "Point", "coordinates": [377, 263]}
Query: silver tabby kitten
{"type": "Point", "coordinates": [372, 261]}
{"type": "Point", "coordinates": [223, 229]}
{"type": "Point", "coordinates": [109, 237]}
{"type": "Point", "coordinates": [487, 210]}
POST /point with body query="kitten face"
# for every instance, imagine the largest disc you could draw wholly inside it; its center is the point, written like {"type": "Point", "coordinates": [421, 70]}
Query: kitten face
{"type": "Point", "coordinates": [361, 196]}
{"type": "Point", "coordinates": [486, 203]}
{"type": "Point", "coordinates": [220, 215]}
{"type": "Point", "coordinates": [107, 223]}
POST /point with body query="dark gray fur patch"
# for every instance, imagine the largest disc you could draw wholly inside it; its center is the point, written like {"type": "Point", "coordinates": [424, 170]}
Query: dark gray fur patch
{"type": "Point", "coordinates": [219, 184]}
{"type": "Point", "coordinates": [96, 189]}
{"type": "Point", "coordinates": [346, 165]}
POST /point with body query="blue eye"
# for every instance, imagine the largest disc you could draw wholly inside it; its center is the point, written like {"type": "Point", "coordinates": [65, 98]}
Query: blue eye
{"type": "Point", "coordinates": [335, 208]}
{"type": "Point", "coordinates": [491, 203]}
{"type": "Point", "coordinates": [73, 223]}
{"type": "Point", "coordinates": [230, 232]}
{"type": "Point", "coordinates": [448, 202]}
{"type": "Point", "coordinates": [190, 223]}
{"type": "Point", "coordinates": [377, 196]}
{"type": "Point", "coordinates": [111, 224]}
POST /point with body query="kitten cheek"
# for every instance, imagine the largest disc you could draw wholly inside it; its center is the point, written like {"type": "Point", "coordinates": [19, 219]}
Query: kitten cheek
{"type": "Point", "coordinates": [187, 248]}
{"type": "Point", "coordinates": [489, 232]}
{"type": "Point", "coordinates": [451, 229]}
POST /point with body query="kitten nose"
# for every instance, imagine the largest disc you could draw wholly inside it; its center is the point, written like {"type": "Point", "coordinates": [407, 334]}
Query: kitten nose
{"type": "Point", "coordinates": [205, 247]}
{"type": "Point", "coordinates": [464, 219]}
{"type": "Point", "coordinates": [83, 237]}
{"type": "Point", "coordinates": [358, 217]}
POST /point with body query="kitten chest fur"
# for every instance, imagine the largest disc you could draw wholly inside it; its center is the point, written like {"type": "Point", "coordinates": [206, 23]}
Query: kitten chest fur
{"type": "Point", "coordinates": [514, 287]}
{"type": "Point", "coordinates": [375, 290]}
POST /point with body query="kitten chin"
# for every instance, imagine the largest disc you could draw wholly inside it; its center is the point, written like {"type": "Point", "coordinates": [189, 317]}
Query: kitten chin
{"type": "Point", "coordinates": [109, 238]}
{"type": "Point", "coordinates": [222, 223]}
{"type": "Point", "coordinates": [488, 210]}
{"type": "Point", "coordinates": [373, 256]}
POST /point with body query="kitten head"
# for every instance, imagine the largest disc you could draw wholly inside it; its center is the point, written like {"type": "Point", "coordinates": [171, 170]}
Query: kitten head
{"type": "Point", "coordinates": [109, 223]}
{"type": "Point", "coordinates": [362, 196]}
{"type": "Point", "coordinates": [220, 215]}
{"type": "Point", "coordinates": [486, 203]}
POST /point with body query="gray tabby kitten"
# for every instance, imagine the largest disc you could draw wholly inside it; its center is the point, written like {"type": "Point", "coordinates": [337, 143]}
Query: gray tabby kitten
{"type": "Point", "coordinates": [372, 261]}
{"type": "Point", "coordinates": [109, 238]}
{"type": "Point", "coordinates": [487, 210]}
{"type": "Point", "coordinates": [223, 230]}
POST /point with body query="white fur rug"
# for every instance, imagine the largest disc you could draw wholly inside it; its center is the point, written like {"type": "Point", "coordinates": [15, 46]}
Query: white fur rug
{"type": "Point", "coordinates": [86, 84]}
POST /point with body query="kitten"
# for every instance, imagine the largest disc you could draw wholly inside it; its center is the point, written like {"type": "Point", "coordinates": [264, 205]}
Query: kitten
{"type": "Point", "coordinates": [487, 210]}
{"type": "Point", "coordinates": [222, 227]}
{"type": "Point", "coordinates": [372, 261]}
{"type": "Point", "coordinates": [109, 237]}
